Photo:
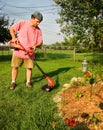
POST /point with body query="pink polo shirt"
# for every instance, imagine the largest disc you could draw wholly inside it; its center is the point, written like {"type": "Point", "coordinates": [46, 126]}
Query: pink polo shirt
{"type": "Point", "coordinates": [27, 36]}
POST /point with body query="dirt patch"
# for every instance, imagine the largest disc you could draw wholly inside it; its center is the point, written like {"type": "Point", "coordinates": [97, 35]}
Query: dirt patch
{"type": "Point", "coordinates": [82, 105]}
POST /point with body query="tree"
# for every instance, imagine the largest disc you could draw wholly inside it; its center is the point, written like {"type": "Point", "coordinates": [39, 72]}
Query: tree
{"type": "Point", "coordinates": [82, 18]}
{"type": "Point", "coordinates": [4, 31]}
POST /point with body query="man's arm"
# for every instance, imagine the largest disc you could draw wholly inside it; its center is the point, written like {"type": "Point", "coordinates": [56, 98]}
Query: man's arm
{"type": "Point", "coordinates": [37, 45]}
{"type": "Point", "coordinates": [13, 35]}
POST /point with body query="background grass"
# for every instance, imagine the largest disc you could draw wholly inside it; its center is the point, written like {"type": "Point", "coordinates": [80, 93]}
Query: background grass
{"type": "Point", "coordinates": [34, 109]}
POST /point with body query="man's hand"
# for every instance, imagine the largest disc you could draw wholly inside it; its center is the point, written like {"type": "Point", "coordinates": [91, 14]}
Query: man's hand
{"type": "Point", "coordinates": [15, 44]}
{"type": "Point", "coordinates": [34, 48]}
{"type": "Point", "coordinates": [14, 40]}
{"type": "Point", "coordinates": [29, 51]}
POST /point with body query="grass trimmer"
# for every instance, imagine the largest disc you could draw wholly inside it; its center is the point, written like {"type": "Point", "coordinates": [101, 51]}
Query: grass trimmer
{"type": "Point", "coordinates": [50, 83]}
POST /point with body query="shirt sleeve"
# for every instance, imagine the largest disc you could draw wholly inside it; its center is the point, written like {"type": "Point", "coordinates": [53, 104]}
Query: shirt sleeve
{"type": "Point", "coordinates": [17, 26]}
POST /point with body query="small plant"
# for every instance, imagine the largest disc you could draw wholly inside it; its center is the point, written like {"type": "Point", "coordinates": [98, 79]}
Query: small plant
{"type": "Point", "coordinates": [94, 120]}
{"type": "Point", "coordinates": [78, 94]}
{"type": "Point", "coordinates": [88, 76]}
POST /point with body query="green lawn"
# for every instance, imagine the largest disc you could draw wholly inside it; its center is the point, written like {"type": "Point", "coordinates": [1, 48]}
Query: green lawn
{"type": "Point", "coordinates": [34, 109]}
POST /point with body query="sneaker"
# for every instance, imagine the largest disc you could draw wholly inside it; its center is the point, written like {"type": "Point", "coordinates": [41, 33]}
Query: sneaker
{"type": "Point", "coordinates": [12, 86]}
{"type": "Point", "coordinates": [29, 85]}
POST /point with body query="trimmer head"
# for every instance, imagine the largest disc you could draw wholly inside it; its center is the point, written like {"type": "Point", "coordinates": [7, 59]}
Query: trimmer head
{"type": "Point", "coordinates": [50, 82]}
{"type": "Point", "coordinates": [46, 88]}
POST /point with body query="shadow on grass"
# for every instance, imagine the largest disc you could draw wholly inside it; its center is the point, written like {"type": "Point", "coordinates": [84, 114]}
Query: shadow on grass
{"type": "Point", "coordinates": [45, 56]}
{"type": "Point", "coordinates": [51, 74]}
{"type": "Point", "coordinates": [5, 58]}
{"type": "Point", "coordinates": [60, 55]}
{"type": "Point", "coordinates": [39, 57]}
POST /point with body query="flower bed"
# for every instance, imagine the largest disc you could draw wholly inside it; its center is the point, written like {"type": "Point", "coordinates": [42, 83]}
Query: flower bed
{"type": "Point", "coordinates": [78, 107]}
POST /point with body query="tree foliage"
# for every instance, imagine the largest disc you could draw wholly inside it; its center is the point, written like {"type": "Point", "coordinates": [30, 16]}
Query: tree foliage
{"type": "Point", "coordinates": [4, 31]}
{"type": "Point", "coordinates": [83, 18]}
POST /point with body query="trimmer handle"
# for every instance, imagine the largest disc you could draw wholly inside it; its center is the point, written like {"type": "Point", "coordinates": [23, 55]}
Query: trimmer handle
{"type": "Point", "coordinates": [15, 45]}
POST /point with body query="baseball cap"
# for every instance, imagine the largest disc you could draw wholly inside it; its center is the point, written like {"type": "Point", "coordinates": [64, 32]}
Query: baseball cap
{"type": "Point", "coordinates": [37, 15]}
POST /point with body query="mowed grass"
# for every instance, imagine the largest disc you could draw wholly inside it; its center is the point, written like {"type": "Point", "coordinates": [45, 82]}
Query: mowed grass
{"type": "Point", "coordinates": [34, 109]}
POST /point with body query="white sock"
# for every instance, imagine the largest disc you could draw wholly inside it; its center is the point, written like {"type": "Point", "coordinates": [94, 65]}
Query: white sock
{"type": "Point", "coordinates": [28, 81]}
{"type": "Point", "coordinates": [13, 81]}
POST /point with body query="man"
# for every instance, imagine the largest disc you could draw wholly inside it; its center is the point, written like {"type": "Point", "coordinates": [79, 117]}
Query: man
{"type": "Point", "coordinates": [30, 36]}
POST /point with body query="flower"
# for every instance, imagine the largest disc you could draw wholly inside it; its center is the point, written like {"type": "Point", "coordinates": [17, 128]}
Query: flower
{"type": "Point", "coordinates": [76, 82]}
{"type": "Point", "coordinates": [88, 76]}
{"type": "Point", "coordinates": [70, 122]}
{"type": "Point", "coordinates": [74, 79]}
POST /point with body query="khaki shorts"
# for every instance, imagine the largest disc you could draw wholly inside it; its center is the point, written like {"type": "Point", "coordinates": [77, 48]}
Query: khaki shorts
{"type": "Point", "coordinates": [17, 62]}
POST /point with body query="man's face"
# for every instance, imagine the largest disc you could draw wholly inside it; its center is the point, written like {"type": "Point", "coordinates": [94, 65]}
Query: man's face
{"type": "Point", "coordinates": [35, 22]}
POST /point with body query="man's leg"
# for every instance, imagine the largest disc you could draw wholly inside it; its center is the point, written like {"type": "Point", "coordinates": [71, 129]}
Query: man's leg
{"type": "Point", "coordinates": [14, 73]}
{"type": "Point", "coordinates": [14, 76]}
{"type": "Point", "coordinates": [28, 74]}
{"type": "Point", "coordinates": [15, 63]}
{"type": "Point", "coordinates": [28, 77]}
{"type": "Point", "coordinates": [29, 65]}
